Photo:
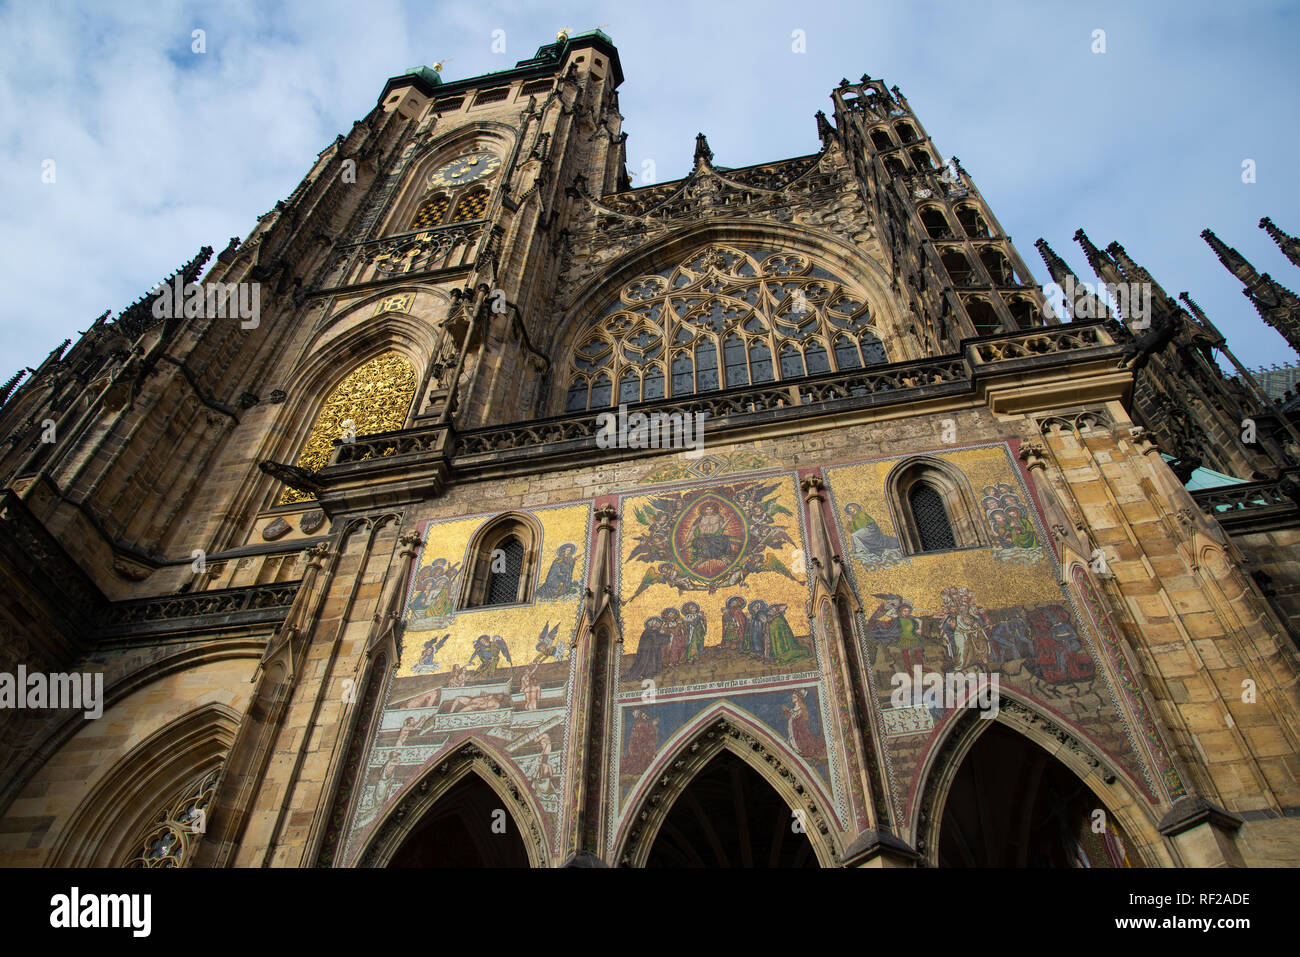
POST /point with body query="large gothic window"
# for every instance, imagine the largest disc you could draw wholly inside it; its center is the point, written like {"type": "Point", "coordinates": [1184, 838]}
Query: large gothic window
{"type": "Point", "coordinates": [374, 398]}
{"type": "Point", "coordinates": [725, 317]}
{"type": "Point", "coordinates": [175, 830]}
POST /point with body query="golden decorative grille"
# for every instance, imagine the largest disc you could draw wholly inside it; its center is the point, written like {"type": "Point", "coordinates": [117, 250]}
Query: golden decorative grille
{"type": "Point", "coordinates": [724, 317]}
{"type": "Point", "coordinates": [375, 397]}
{"type": "Point", "coordinates": [431, 212]}
{"type": "Point", "coordinates": [471, 206]}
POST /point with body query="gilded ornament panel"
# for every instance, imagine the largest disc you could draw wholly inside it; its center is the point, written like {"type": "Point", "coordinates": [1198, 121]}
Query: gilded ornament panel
{"type": "Point", "coordinates": [373, 398]}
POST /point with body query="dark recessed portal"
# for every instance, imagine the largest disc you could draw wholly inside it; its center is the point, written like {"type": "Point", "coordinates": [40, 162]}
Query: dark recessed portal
{"type": "Point", "coordinates": [468, 827]}
{"type": "Point", "coordinates": [728, 816]}
{"type": "Point", "coordinates": [1014, 805]}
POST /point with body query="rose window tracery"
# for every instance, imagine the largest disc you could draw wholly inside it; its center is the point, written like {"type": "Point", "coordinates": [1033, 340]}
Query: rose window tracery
{"type": "Point", "coordinates": [724, 317]}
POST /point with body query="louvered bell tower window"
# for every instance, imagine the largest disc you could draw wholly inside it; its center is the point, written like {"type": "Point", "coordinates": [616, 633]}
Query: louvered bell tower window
{"type": "Point", "coordinates": [503, 586]}
{"type": "Point", "coordinates": [931, 519]}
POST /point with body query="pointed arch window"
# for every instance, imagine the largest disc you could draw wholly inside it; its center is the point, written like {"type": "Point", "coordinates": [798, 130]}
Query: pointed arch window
{"type": "Point", "coordinates": [932, 507]}
{"type": "Point", "coordinates": [931, 518]}
{"type": "Point", "coordinates": [722, 318]}
{"type": "Point", "coordinates": [502, 563]}
{"type": "Point", "coordinates": [375, 397]}
{"type": "Point", "coordinates": [983, 317]}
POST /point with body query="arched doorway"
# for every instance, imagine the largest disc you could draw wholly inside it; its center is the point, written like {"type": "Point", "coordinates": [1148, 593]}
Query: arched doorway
{"type": "Point", "coordinates": [1011, 804]}
{"type": "Point", "coordinates": [468, 827]}
{"type": "Point", "coordinates": [728, 816]}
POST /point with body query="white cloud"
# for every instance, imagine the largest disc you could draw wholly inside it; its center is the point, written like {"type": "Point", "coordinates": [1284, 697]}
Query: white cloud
{"type": "Point", "coordinates": [160, 150]}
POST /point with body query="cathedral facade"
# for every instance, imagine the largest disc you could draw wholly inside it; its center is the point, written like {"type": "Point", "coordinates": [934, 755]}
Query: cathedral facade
{"type": "Point", "coordinates": [481, 509]}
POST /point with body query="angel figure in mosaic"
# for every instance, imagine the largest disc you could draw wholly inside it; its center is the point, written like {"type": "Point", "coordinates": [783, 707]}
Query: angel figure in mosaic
{"type": "Point", "coordinates": [549, 644]}
{"type": "Point", "coordinates": [489, 651]}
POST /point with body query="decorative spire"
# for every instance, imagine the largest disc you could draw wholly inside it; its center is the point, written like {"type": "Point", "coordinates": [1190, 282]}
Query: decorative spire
{"type": "Point", "coordinates": [1200, 315]}
{"type": "Point", "coordinates": [1128, 265]}
{"type": "Point", "coordinates": [1137, 274]}
{"type": "Point", "coordinates": [228, 254]}
{"type": "Point", "coordinates": [7, 389]}
{"type": "Point", "coordinates": [1056, 266]}
{"type": "Point", "coordinates": [139, 317]}
{"type": "Point", "coordinates": [1234, 261]}
{"type": "Point", "coordinates": [1084, 303]}
{"type": "Point", "coordinates": [1101, 264]}
{"type": "Point", "coordinates": [57, 352]}
{"type": "Point", "coordinates": [1289, 245]}
{"type": "Point", "coordinates": [1277, 305]}
{"type": "Point", "coordinates": [703, 155]}
{"type": "Point", "coordinates": [824, 129]}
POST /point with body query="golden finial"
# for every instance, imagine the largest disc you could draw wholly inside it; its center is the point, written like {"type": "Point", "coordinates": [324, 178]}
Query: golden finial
{"type": "Point", "coordinates": [563, 34]}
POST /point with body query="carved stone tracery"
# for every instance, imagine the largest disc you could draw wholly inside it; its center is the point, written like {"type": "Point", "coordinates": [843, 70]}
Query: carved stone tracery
{"type": "Point", "coordinates": [723, 317]}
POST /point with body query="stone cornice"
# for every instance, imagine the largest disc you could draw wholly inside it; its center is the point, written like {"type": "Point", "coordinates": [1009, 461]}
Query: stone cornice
{"type": "Point", "coordinates": [1074, 362]}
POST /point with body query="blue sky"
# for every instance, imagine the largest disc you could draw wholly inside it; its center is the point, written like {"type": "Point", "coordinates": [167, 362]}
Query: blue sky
{"type": "Point", "coordinates": [159, 150]}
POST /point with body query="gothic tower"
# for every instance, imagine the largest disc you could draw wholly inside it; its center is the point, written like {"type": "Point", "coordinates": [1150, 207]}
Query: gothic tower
{"type": "Point", "coordinates": [479, 508]}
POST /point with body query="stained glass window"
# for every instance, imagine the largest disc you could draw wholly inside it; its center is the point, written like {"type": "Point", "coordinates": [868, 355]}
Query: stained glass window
{"type": "Point", "coordinates": [724, 317]}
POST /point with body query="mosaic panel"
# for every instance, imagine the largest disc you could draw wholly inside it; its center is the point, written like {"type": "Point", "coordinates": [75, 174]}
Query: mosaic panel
{"type": "Point", "coordinates": [715, 608]}
{"type": "Point", "coordinates": [499, 673]}
{"type": "Point", "coordinates": [992, 611]}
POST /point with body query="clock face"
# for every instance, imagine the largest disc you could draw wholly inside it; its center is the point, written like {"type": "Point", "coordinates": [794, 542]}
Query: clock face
{"type": "Point", "coordinates": [465, 169]}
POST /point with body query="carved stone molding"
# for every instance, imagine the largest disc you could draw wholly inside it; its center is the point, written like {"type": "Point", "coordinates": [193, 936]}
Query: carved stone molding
{"type": "Point", "coordinates": [261, 604]}
{"type": "Point", "coordinates": [1143, 440]}
{"type": "Point", "coordinates": [1033, 455]}
{"type": "Point", "coordinates": [1081, 422]}
{"type": "Point", "coordinates": [1030, 719]}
